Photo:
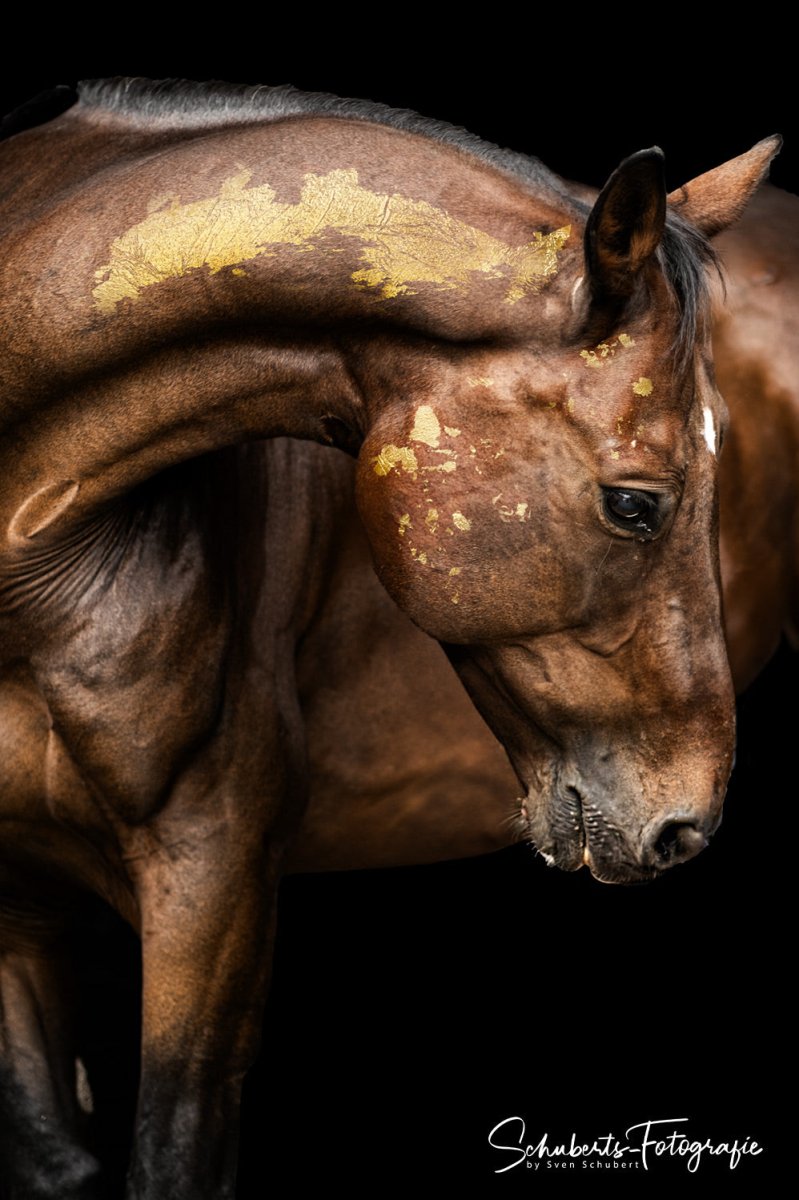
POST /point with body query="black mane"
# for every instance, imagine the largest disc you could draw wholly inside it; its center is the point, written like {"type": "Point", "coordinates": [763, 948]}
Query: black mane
{"type": "Point", "coordinates": [185, 102]}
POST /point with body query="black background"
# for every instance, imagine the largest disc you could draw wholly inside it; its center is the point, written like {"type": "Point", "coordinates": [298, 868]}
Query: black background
{"type": "Point", "coordinates": [411, 1010]}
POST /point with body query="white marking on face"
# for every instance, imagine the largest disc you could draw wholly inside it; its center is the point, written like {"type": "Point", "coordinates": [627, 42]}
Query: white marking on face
{"type": "Point", "coordinates": [575, 296]}
{"type": "Point", "coordinates": [709, 429]}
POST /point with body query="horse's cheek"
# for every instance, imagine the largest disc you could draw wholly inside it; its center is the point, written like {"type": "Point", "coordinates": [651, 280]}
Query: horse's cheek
{"type": "Point", "coordinates": [401, 543]}
{"type": "Point", "coordinates": [463, 572]}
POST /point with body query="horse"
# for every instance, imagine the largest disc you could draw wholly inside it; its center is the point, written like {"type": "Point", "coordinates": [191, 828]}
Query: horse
{"type": "Point", "coordinates": [197, 279]}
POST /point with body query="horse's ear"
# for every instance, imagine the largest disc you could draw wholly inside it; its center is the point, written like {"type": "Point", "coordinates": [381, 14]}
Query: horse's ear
{"type": "Point", "coordinates": [626, 224]}
{"type": "Point", "coordinates": [713, 201]}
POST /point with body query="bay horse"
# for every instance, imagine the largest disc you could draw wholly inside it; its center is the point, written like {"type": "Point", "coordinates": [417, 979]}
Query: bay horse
{"type": "Point", "coordinates": [526, 381]}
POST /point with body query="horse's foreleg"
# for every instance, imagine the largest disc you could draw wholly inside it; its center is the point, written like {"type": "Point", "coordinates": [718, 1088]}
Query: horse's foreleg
{"type": "Point", "coordinates": [206, 908]}
{"type": "Point", "coordinates": [41, 1156]}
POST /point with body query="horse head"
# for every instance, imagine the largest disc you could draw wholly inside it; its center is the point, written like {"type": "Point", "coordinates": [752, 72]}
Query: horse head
{"type": "Point", "coordinates": [543, 502]}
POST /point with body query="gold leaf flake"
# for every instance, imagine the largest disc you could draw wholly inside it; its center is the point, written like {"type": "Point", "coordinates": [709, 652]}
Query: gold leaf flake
{"type": "Point", "coordinates": [399, 241]}
{"type": "Point", "coordinates": [426, 427]}
{"type": "Point", "coordinates": [395, 456]}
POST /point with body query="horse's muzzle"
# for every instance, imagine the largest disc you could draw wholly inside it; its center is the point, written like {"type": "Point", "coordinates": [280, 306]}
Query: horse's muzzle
{"type": "Point", "coordinates": [575, 831]}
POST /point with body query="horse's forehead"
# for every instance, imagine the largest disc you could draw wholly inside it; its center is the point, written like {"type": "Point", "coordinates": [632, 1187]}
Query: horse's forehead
{"type": "Point", "coordinates": [631, 374]}
{"type": "Point", "coordinates": [617, 406]}
{"type": "Point", "coordinates": [630, 379]}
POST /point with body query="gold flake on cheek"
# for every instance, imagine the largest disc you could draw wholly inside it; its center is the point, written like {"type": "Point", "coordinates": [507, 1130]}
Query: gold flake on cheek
{"type": "Point", "coordinates": [426, 427]}
{"type": "Point", "coordinates": [461, 522]}
{"type": "Point", "coordinates": [454, 570]}
{"type": "Point", "coordinates": [452, 432]}
{"type": "Point", "coordinates": [507, 513]}
{"type": "Point", "coordinates": [626, 340]}
{"type": "Point", "coordinates": [395, 456]}
{"type": "Point", "coordinates": [431, 520]}
{"type": "Point", "coordinates": [403, 241]}
{"type": "Point", "coordinates": [404, 523]}
{"type": "Point", "coordinates": [643, 386]}
{"type": "Point", "coordinates": [447, 467]}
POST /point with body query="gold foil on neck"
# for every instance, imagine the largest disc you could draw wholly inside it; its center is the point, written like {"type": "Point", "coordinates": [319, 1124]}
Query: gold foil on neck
{"type": "Point", "coordinates": [404, 242]}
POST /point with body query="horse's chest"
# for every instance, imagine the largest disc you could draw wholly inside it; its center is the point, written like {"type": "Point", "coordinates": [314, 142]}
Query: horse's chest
{"type": "Point", "coordinates": [127, 678]}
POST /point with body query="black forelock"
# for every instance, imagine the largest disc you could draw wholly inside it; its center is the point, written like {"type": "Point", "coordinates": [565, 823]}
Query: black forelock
{"type": "Point", "coordinates": [687, 260]}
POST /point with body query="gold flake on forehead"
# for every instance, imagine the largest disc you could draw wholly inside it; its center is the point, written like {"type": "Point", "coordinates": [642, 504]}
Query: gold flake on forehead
{"type": "Point", "coordinates": [404, 242]}
{"type": "Point", "coordinates": [606, 350]}
{"type": "Point", "coordinates": [643, 386]}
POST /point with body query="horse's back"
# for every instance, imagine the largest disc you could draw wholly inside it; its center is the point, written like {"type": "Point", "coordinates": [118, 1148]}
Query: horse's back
{"type": "Point", "coordinates": [756, 344]}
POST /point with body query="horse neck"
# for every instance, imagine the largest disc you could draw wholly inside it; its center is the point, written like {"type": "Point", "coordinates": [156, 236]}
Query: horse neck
{"type": "Point", "coordinates": [196, 290]}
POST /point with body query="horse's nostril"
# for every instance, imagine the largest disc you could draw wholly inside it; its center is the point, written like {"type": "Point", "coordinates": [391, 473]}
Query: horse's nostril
{"type": "Point", "coordinates": [675, 842]}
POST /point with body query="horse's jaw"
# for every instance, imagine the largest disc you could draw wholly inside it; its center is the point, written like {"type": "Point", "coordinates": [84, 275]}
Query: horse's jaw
{"type": "Point", "coordinates": [627, 802]}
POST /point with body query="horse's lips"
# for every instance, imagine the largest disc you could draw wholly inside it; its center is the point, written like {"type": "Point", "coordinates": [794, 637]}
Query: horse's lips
{"type": "Point", "coordinates": [557, 830]}
{"type": "Point", "coordinates": [561, 836]}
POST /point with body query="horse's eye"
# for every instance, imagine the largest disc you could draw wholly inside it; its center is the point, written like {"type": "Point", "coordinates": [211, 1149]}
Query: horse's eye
{"type": "Point", "coordinates": [633, 511]}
